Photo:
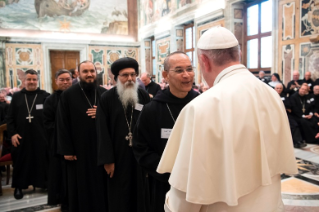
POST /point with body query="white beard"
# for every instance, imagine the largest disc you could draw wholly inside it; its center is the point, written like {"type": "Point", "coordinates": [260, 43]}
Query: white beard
{"type": "Point", "coordinates": [128, 95]}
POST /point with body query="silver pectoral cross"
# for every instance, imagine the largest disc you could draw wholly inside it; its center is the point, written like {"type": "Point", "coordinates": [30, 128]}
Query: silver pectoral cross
{"type": "Point", "coordinates": [29, 117]}
{"type": "Point", "coordinates": [130, 138]}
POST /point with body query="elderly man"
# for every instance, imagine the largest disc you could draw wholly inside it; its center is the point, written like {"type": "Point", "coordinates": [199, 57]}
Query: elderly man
{"type": "Point", "coordinates": [297, 138]}
{"type": "Point", "coordinates": [261, 76]}
{"type": "Point", "coordinates": [309, 81]}
{"type": "Point", "coordinates": [25, 126]}
{"type": "Point", "coordinates": [77, 141]}
{"type": "Point", "coordinates": [294, 84]}
{"type": "Point", "coordinates": [157, 120]}
{"type": "Point", "coordinates": [57, 171]}
{"type": "Point", "coordinates": [217, 162]}
{"type": "Point", "coordinates": [117, 115]}
{"type": "Point", "coordinates": [151, 87]}
{"type": "Point", "coordinates": [303, 109]}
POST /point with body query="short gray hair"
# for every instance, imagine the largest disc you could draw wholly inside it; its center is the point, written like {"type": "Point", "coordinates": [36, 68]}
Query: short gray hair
{"type": "Point", "coordinates": [222, 56]}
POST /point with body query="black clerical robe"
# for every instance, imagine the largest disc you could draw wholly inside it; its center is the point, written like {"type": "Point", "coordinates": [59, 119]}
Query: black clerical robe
{"type": "Point", "coordinates": [265, 80]}
{"type": "Point", "coordinates": [294, 127]}
{"type": "Point", "coordinates": [153, 88]}
{"type": "Point", "coordinates": [4, 107]}
{"type": "Point", "coordinates": [309, 127]}
{"type": "Point", "coordinates": [30, 160]}
{"type": "Point", "coordinates": [126, 190]}
{"type": "Point", "coordinates": [57, 187]}
{"type": "Point", "coordinates": [150, 139]}
{"type": "Point", "coordinates": [76, 135]}
{"type": "Point", "coordinates": [310, 83]}
{"type": "Point", "coordinates": [293, 82]}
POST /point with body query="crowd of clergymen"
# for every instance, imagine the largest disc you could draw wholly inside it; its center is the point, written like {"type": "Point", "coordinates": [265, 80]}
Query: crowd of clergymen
{"type": "Point", "coordinates": [46, 134]}
{"type": "Point", "coordinates": [301, 100]}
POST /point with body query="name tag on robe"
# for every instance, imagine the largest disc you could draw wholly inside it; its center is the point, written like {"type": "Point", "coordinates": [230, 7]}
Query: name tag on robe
{"type": "Point", "coordinates": [308, 101]}
{"type": "Point", "coordinates": [39, 107]}
{"type": "Point", "coordinates": [165, 133]}
{"type": "Point", "coordinates": [138, 107]}
{"type": "Point", "coordinates": [312, 99]}
{"type": "Point", "coordinates": [309, 84]}
{"type": "Point", "coordinates": [282, 98]}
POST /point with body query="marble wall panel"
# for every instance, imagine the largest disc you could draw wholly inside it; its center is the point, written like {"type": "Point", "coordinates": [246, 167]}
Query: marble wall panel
{"type": "Point", "coordinates": [288, 58]}
{"type": "Point", "coordinates": [288, 19]}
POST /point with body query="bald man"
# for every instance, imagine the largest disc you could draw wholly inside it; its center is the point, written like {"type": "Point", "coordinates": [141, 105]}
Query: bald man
{"type": "Point", "coordinates": [151, 87]}
{"type": "Point", "coordinates": [309, 81]}
{"type": "Point", "coordinates": [294, 84]}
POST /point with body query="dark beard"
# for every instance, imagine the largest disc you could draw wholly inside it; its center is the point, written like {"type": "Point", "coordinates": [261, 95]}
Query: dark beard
{"type": "Point", "coordinates": [88, 86]}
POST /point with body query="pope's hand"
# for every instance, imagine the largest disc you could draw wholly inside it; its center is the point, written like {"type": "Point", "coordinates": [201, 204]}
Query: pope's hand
{"type": "Point", "coordinates": [109, 168]}
{"type": "Point", "coordinates": [15, 140]}
{"type": "Point", "coordinates": [92, 112]}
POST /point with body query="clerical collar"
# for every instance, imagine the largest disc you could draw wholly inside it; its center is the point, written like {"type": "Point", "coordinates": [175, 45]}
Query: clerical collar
{"type": "Point", "coordinates": [227, 71]}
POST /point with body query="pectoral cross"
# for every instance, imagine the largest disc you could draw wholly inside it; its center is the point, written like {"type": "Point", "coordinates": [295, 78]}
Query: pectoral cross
{"type": "Point", "coordinates": [303, 110]}
{"type": "Point", "coordinates": [29, 117]}
{"type": "Point", "coordinates": [129, 137]}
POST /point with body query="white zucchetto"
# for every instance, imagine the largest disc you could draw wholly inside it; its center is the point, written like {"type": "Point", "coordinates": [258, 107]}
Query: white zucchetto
{"type": "Point", "coordinates": [217, 38]}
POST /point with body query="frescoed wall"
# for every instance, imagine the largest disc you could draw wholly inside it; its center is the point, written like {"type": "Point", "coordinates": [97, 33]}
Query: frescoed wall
{"type": "Point", "coordinates": [151, 11]}
{"type": "Point", "coordinates": [76, 16]}
{"type": "Point", "coordinates": [21, 57]}
{"type": "Point", "coordinates": [104, 56]}
{"type": "Point", "coordinates": [298, 22]}
{"type": "Point", "coordinates": [162, 50]}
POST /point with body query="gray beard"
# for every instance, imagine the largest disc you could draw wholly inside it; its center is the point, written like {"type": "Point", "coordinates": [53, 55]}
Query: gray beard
{"type": "Point", "coordinates": [128, 95]}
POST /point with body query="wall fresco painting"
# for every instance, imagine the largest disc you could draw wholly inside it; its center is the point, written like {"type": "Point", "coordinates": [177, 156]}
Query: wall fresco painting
{"type": "Point", "coordinates": [87, 16]}
{"type": "Point", "coordinates": [309, 17]}
{"type": "Point", "coordinates": [99, 61]}
{"type": "Point", "coordinates": [288, 19]}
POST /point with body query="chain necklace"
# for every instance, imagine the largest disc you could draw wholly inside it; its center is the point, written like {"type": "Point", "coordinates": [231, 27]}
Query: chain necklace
{"type": "Point", "coordinates": [170, 112]}
{"type": "Point", "coordinates": [87, 97]}
{"type": "Point", "coordinates": [129, 136]}
{"type": "Point", "coordinates": [29, 110]}
{"type": "Point", "coordinates": [303, 104]}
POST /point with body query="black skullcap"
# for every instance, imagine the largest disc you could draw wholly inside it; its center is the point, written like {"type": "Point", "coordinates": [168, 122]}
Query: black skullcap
{"type": "Point", "coordinates": [123, 63]}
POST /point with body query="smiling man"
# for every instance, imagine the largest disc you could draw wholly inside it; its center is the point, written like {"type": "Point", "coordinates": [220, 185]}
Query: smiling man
{"type": "Point", "coordinates": [25, 126]}
{"type": "Point", "coordinates": [117, 114]}
{"type": "Point", "coordinates": [157, 120]}
{"type": "Point", "coordinates": [77, 141]}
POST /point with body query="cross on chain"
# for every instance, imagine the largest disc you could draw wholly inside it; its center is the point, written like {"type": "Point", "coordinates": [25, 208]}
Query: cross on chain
{"type": "Point", "coordinates": [29, 117]}
{"type": "Point", "coordinates": [129, 137]}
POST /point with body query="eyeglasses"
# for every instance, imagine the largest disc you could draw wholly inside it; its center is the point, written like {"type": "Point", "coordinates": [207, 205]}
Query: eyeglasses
{"type": "Point", "coordinates": [66, 79]}
{"type": "Point", "coordinates": [127, 75]}
{"type": "Point", "coordinates": [181, 70]}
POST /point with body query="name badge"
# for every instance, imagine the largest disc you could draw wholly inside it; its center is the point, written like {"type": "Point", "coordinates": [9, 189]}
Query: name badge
{"type": "Point", "coordinates": [139, 107]}
{"type": "Point", "coordinates": [308, 101]}
{"type": "Point", "coordinates": [39, 107]}
{"type": "Point", "coordinates": [312, 99]}
{"type": "Point", "coordinates": [282, 98]}
{"type": "Point", "coordinates": [309, 84]}
{"type": "Point", "coordinates": [165, 133]}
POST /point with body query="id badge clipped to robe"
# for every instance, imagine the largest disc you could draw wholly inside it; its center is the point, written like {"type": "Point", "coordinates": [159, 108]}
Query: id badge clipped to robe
{"type": "Point", "coordinates": [165, 133]}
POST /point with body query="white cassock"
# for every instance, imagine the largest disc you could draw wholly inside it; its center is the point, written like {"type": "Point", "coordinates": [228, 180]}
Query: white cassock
{"type": "Point", "coordinates": [228, 148]}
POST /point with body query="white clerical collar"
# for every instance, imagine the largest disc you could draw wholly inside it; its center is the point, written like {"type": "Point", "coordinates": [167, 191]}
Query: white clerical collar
{"type": "Point", "coordinates": [226, 71]}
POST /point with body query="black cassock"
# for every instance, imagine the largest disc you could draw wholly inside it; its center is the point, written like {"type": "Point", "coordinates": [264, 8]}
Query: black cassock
{"type": "Point", "coordinates": [309, 127]}
{"type": "Point", "coordinates": [150, 140]}
{"type": "Point", "coordinates": [293, 82]}
{"type": "Point", "coordinates": [310, 83]}
{"type": "Point", "coordinates": [30, 159]}
{"type": "Point", "coordinates": [153, 88]}
{"type": "Point", "coordinates": [57, 190]}
{"type": "Point", "coordinates": [76, 135]}
{"type": "Point", "coordinates": [294, 126]}
{"type": "Point", "coordinates": [127, 189]}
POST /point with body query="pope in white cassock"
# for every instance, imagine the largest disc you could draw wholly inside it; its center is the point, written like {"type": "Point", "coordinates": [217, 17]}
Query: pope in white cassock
{"type": "Point", "coordinates": [230, 145]}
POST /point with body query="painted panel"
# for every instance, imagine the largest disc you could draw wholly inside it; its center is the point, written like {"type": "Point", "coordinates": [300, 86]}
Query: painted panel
{"type": "Point", "coordinates": [288, 19]}
{"type": "Point", "coordinates": [309, 17]}
{"type": "Point", "coordinates": [88, 16]}
{"type": "Point", "coordinates": [151, 11]}
{"type": "Point", "coordinates": [163, 49]}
